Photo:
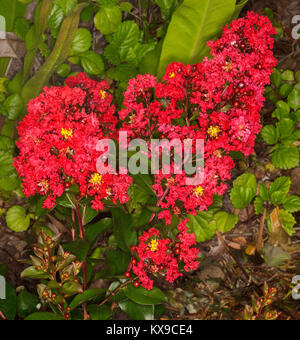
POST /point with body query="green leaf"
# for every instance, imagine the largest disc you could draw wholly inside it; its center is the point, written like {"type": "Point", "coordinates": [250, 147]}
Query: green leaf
{"type": "Point", "coordinates": [285, 127]}
{"type": "Point", "coordinates": [126, 6]}
{"type": "Point", "coordinates": [93, 231]}
{"type": "Point", "coordinates": [150, 62]}
{"type": "Point", "coordinates": [292, 203]}
{"type": "Point", "coordinates": [122, 228]}
{"type": "Point", "coordinates": [26, 304]}
{"type": "Point", "coordinates": [90, 214]}
{"type": "Point", "coordinates": [44, 316]}
{"type": "Point", "coordinates": [225, 222]}
{"type": "Point", "coordinates": [270, 134]}
{"type": "Point", "coordinates": [10, 182]}
{"type": "Point", "coordinates": [111, 53]}
{"type": "Point", "coordinates": [127, 35]}
{"type": "Point", "coordinates": [58, 55]}
{"type": "Point", "coordinates": [86, 296]}
{"type": "Point", "coordinates": [56, 18]}
{"type": "Point", "coordinates": [82, 40]}
{"type": "Point", "coordinates": [16, 219]}
{"type": "Point", "coordinates": [294, 99]}
{"type": "Point", "coordinates": [117, 262]}
{"type": "Point", "coordinates": [279, 189]}
{"type": "Point", "coordinates": [263, 191]}
{"type": "Point", "coordinates": [21, 27]}
{"type": "Point", "coordinates": [285, 90]}
{"type": "Point", "coordinates": [35, 37]}
{"type": "Point", "coordinates": [136, 311]}
{"type": "Point", "coordinates": [33, 273]}
{"type": "Point", "coordinates": [238, 8]}
{"type": "Point", "coordinates": [276, 78]}
{"type": "Point", "coordinates": [99, 313]}
{"type": "Point", "coordinates": [8, 306]}
{"type": "Point", "coordinates": [283, 106]}
{"type": "Point", "coordinates": [66, 5]}
{"type": "Point", "coordinates": [13, 106]}
{"type": "Point", "coordinates": [79, 248]}
{"type": "Point", "coordinates": [202, 225]}
{"type": "Point", "coordinates": [288, 75]}
{"type": "Point", "coordinates": [192, 25]}
{"type": "Point", "coordinates": [123, 72]}
{"type": "Point", "coordinates": [107, 19]}
{"type": "Point", "coordinates": [92, 63]}
{"type": "Point", "coordinates": [136, 54]}
{"type": "Point", "coordinates": [143, 296]}
{"type": "Point", "coordinates": [7, 144]}
{"type": "Point", "coordinates": [286, 157]}
{"type": "Point", "coordinates": [71, 288]}
{"type": "Point", "coordinates": [288, 221]}
{"type": "Point", "coordinates": [259, 205]}
{"type": "Point", "coordinates": [10, 10]}
{"type": "Point", "coordinates": [167, 6]}
{"type": "Point", "coordinates": [243, 191]}
{"type": "Point", "coordinates": [63, 70]}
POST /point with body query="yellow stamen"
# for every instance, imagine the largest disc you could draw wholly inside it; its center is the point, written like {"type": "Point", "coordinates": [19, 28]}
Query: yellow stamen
{"type": "Point", "coordinates": [103, 94]}
{"type": "Point", "coordinates": [96, 179]}
{"type": "Point", "coordinates": [214, 131]}
{"type": "Point", "coordinates": [172, 75]}
{"type": "Point", "coordinates": [153, 245]}
{"type": "Point", "coordinates": [67, 133]}
{"type": "Point", "coordinates": [44, 185]}
{"type": "Point", "coordinates": [198, 191]}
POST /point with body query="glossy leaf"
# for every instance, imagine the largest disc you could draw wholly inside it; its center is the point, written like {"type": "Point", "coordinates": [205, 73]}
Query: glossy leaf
{"type": "Point", "coordinates": [243, 191]}
{"type": "Point", "coordinates": [136, 311]}
{"type": "Point", "coordinates": [192, 25]}
{"type": "Point", "coordinates": [143, 296]}
{"type": "Point", "coordinates": [86, 296]}
{"type": "Point", "coordinates": [16, 219]}
{"type": "Point", "coordinates": [202, 225]}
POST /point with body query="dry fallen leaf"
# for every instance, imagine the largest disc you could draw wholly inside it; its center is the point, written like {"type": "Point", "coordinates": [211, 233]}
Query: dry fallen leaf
{"type": "Point", "coordinates": [251, 249]}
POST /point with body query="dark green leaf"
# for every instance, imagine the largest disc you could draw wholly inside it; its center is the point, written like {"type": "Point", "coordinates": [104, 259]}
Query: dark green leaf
{"type": "Point", "coordinates": [44, 316]}
{"type": "Point", "coordinates": [143, 296]}
{"type": "Point", "coordinates": [136, 311]}
{"type": "Point", "coordinates": [26, 304]}
{"type": "Point", "coordinates": [88, 295]}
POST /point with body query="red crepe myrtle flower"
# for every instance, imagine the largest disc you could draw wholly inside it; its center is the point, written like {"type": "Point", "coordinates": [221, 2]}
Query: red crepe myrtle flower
{"type": "Point", "coordinates": [161, 256]}
{"type": "Point", "coordinates": [58, 140]}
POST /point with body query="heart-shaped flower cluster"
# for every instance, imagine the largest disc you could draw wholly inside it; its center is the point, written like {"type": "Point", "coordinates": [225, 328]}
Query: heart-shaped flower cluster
{"type": "Point", "coordinates": [58, 139]}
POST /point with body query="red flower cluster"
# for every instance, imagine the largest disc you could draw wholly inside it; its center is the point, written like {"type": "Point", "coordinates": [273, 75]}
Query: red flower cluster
{"type": "Point", "coordinates": [160, 256]}
{"type": "Point", "coordinates": [218, 100]}
{"type": "Point", "coordinates": [58, 141]}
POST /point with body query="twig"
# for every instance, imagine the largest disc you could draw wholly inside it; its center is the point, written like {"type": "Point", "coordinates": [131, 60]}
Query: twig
{"type": "Point", "coordinates": [2, 315]}
{"type": "Point", "coordinates": [84, 267]}
{"type": "Point", "coordinates": [259, 243]}
{"type": "Point", "coordinates": [114, 292]}
{"type": "Point", "coordinates": [220, 237]}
